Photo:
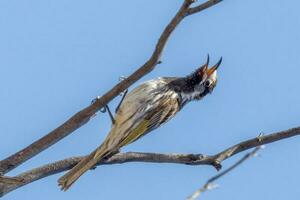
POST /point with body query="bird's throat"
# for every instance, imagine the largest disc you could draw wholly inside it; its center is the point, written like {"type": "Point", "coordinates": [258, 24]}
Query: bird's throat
{"type": "Point", "coordinates": [189, 96]}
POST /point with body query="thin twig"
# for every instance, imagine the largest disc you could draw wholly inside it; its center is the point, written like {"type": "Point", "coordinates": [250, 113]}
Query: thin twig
{"type": "Point", "coordinates": [203, 6]}
{"type": "Point", "coordinates": [209, 185]}
{"type": "Point", "coordinates": [189, 159]}
{"type": "Point", "coordinates": [83, 116]}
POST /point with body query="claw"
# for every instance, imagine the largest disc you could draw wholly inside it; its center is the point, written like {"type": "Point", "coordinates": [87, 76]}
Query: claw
{"type": "Point", "coordinates": [94, 100]}
{"type": "Point", "coordinates": [121, 78]}
{"type": "Point", "coordinates": [103, 110]}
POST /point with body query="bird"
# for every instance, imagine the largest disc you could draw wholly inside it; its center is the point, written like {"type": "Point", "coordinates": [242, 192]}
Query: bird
{"type": "Point", "coordinates": [144, 109]}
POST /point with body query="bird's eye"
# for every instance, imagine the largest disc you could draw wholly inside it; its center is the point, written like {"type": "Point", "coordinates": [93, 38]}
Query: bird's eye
{"type": "Point", "coordinates": [207, 83]}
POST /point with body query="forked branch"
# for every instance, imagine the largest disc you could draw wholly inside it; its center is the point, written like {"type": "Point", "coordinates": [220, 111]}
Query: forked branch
{"type": "Point", "coordinates": [189, 159]}
{"type": "Point", "coordinates": [209, 185]}
{"type": "Point", "coordinates": [83, 116]}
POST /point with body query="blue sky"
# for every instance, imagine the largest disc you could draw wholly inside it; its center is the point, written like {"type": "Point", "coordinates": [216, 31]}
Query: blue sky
{"type": "Point", "coordinates": [56, 56]}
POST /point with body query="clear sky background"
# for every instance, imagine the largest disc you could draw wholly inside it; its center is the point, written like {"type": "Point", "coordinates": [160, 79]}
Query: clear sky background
{"type": "Point", "coordinates": [56, 56]}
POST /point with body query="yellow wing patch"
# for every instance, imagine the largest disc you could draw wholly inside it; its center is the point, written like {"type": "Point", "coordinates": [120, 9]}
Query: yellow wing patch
{"type": "Point", "coordinates": [136, 133]}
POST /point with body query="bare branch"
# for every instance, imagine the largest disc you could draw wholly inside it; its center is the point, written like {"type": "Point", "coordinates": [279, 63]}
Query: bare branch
{"type": "Point", "coordinates": [255, 142]}
{"type": "Point", "coordinates": [83, 116]}
{"type": "Point", "coordinates": [11, 180]}
{"type": "Point", "coordinates": [203, 6]}
{"type": "Point", "coordinates": [66, 164]}
{"type": "Point", "coordinates": [189, 159]}
{"type": "Point", "coordinates": [209, 185]}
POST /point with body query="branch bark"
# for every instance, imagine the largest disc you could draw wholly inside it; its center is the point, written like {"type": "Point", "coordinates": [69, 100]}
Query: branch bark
{"type": "Point", "coordinates": [201, 7]}
{"type": "Point", "coordinates": [83, 116]}
{"type": "Point", "coordinates": [209, 185]}
{"type": "Point", "coordinates": [189, 159]}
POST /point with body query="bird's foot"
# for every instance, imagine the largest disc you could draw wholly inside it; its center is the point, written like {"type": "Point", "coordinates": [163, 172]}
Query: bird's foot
{"type": "Point", "coordinates": [107, 109]}
{"type": "Point", "coordinates": [95, 99]}
{"type": "Point", "coordinates": [122, 94]}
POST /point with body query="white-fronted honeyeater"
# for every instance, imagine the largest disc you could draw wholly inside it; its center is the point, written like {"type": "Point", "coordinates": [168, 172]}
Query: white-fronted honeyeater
{"type": "Point", "coordinates": [144, 109]}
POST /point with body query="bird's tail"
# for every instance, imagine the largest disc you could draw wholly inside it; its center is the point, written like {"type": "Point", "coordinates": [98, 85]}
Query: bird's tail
{"type": "Point", "coordinates": [84, 165]}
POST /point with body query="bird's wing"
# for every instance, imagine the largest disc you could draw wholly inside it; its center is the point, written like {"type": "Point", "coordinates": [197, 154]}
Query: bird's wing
{"type": "Point", "coordinates": [143, 98]}
{"type": "Point", "coordinates": [143, 109]}
{"type": "Point", "coordinates": [167, 109]}
{"type": "Point", "coordinates": [160, 112]}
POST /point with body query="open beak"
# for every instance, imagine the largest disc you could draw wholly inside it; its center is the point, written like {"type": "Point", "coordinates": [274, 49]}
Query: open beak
{"type": "Point", "coordinates": [211, 70]}
{"type": "Point", "coordinates": [204, 67]}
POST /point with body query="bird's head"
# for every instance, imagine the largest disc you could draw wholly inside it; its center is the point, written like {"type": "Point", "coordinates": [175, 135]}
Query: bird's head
{"type": "Point", "coordinates": [198, 84]}
{"type": "Point", "coordinates": [202, 81]}
{"type": "Point", "coordinates": [206, 77]}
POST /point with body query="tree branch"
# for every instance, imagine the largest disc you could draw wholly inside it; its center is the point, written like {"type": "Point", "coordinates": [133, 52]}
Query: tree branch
{"type": "Point", "coordinates": [201, 7]}
{"type": "Point", "coordinates": [83, 116]}
{"type": "Point", "coordinates": [209, 185]}
{"type": "Point", "coordinates": [189, 159]}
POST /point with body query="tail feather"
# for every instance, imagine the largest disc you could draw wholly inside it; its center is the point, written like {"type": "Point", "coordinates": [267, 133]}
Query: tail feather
{"type": "Point", "coordinates": [84, 165]}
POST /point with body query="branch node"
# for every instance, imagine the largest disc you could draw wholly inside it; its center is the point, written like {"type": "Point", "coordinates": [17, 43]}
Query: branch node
{"type": "Point", "coordinates": [260, 137]}
{"type": "Point", "coordinates": [217, 164]}
{"type": "Point", "coordinates": [193, 159]}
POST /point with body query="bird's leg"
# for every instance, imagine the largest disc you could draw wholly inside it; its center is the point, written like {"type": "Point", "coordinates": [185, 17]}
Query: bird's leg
{"type": "Point", "coordinates": [106, 108]}
{"type": "Point", "coordinates": [93, 101]}
{"type": "Point", "coordinates": [123, 94]}
{"type": "Point", "coordinates": [103, 110]}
